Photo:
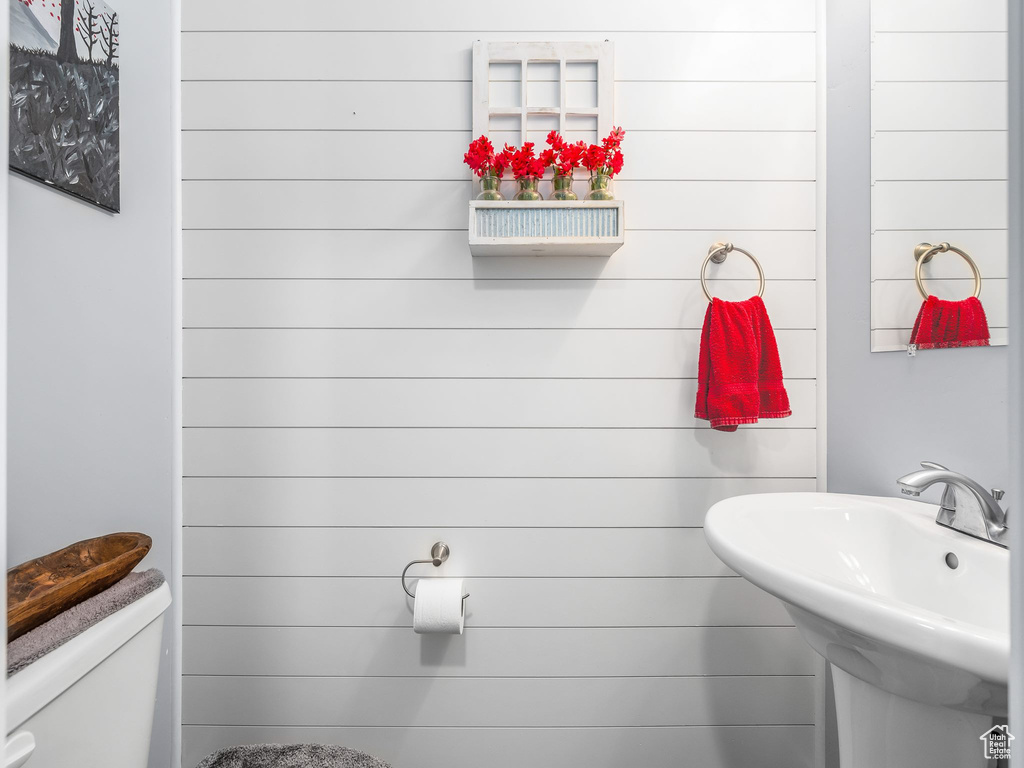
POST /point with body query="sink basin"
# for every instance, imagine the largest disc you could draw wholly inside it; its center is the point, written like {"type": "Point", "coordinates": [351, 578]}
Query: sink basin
{"type": "Point", "coordinates": [912, 616]}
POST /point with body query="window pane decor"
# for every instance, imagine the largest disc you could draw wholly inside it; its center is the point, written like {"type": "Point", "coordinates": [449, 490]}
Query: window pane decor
{"type": "Point", "coordinates": [523, 90]}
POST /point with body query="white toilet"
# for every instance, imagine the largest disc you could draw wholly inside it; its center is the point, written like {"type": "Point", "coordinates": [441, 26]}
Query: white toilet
{"type": "Point", "coordinates": [89, 703]}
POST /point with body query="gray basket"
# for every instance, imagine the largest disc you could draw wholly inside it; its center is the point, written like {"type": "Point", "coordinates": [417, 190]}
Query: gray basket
{"type": "Point", "coordinates": [546, 227]}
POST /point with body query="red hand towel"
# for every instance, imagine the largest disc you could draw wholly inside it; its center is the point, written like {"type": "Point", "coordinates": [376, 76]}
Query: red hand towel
{"type": "Point", "coordinates": [739, 378]}
{"type": "Point", "coordinates": [942, 324]}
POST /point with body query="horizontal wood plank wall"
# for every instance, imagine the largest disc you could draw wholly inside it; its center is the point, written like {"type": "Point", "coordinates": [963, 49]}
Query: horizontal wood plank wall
{"type": "Point", "coordinates": [357, 387]}
{"type": "Point", "coordinates": [938, 157]}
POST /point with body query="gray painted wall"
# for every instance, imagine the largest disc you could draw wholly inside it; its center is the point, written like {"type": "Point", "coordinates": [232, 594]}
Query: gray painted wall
{"type": "Point", "coordinates": [1016, 91]}
{"type": "Point", "coordinates": [888, 411]}
{"type": "Point", "coordinates": [91, 388]}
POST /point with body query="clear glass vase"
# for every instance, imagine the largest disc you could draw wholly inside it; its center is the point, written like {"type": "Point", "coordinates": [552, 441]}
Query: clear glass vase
{"type": "Point", "coordinates": [528, 189]}
{"type": "Point", "coordinates": [600, 187]}
{"type": "Point", "coordinates": [490, 188]}
{"type": "Point", "coordinates": [561, 186]}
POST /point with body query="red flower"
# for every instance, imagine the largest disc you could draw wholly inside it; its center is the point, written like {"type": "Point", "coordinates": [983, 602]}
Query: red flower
{"type": "Point", "coordinates": [594, 158]}
{"type": "Point", "coordinates": [570, 157]}
{"type": "Point", "coordinates": [615, 163]}
{"type": "Point", "coordinates": [524, 163]}
{"type": "Point", "coordinates": [507, 151]}
{"type": "Point", "coordinates": [605, 158]}
{"type": "Point", "coordinates": [555, 140]}
{"type": "Point", "coordinates": [500, 164]}
{"type": "Point", "coordinates": [481, 158]}
{"type": "Point", "coordinates": [614, 139]}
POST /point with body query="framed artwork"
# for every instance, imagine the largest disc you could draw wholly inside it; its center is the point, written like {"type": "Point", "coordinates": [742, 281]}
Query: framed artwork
{"type": "Point", "coordinates": [65, 126]}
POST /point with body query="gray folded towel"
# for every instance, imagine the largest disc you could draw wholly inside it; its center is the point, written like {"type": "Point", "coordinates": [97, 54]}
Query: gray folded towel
{"type": "Point", "coordinates": [290, 756]}
{"type": "Point", "coordinates": [35, 644]}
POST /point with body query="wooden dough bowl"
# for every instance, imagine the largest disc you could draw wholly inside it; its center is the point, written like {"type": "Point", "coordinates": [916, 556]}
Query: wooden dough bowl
{"type": "Point", "coordinates": [42, 588]}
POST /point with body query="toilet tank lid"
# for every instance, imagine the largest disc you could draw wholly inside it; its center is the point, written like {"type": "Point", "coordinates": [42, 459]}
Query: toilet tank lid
{"type": "Point", "coordinates": [37, 685]}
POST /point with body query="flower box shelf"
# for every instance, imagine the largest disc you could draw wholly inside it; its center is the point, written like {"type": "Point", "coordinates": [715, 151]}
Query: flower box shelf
{"type": "Point", "coordinates": [546, 228]}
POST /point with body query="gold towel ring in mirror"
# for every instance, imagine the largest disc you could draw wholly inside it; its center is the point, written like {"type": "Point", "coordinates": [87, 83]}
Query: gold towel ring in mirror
{"type": "Point", "coordinates": [923, 253]}
{"type": "Point", "coordinates": [717, 254]}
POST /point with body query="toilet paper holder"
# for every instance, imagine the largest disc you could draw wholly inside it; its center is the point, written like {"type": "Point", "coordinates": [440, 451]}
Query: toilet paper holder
{"type": "Point", "coordinates": [438, 554]}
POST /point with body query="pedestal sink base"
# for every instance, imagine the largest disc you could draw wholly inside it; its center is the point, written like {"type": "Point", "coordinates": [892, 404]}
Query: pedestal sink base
{"type": "Point", "coordinates": [877, 728]}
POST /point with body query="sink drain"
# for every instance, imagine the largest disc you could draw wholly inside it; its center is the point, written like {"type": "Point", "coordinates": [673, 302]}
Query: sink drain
{"type": "Point", "coordinates": [952, 560]}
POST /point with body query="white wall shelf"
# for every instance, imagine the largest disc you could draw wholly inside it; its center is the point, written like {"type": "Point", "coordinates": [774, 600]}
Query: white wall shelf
{"type": "Point", "coordinates": [546, 228]}
{"type": "Point", "coordinates": [521, 91]}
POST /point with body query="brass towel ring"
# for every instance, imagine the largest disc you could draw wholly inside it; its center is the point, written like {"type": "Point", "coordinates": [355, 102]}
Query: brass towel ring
{"type": "Point", "coordinates": [923, 253]}
{"type": "Point", "coordinates": [717, 254]}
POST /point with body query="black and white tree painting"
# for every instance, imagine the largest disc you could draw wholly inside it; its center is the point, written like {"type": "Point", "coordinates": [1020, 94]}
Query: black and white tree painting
{"type": "Point", "coordinates": [64, 127]}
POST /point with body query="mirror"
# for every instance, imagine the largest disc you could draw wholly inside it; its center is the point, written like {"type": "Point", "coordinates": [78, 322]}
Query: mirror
{"type": "Point", "coordinates": [938, 161]}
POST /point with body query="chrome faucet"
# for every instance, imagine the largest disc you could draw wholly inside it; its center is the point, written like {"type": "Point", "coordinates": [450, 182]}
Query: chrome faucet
{"type": "Point", "coordinates": [965, 505]}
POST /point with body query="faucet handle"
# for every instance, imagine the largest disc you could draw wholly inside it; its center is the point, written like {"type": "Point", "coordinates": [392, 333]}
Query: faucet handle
{"type": "Point", "coordinates": [997, 494]}
{"type": "Point", "coordinates": [933, 465]}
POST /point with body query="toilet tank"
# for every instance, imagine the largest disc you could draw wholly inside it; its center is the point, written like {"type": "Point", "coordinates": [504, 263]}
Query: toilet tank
{"type": "Point", "coordinates": [89, 703]}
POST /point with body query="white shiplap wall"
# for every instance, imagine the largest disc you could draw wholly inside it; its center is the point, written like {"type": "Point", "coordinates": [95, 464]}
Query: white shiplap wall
{"type": "Point", "coordinates": [357, 387]}
{"type": "Point", "coordinates": [938, 157]}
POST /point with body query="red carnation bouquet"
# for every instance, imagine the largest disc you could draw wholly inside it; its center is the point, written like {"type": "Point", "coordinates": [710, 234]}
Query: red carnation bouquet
{"type": "Point", "coordinates": [605, 158]}
{"type": "Point", "coordinates": [561, 156]}
{"type": "Point", "coordinates": [482, 159]}
{"type": "Point", "coordinates": [490, 167]}
{"type": "Point", "coordinates": [604, 161]}
{"type": "Point", "coordinates": [527, 169]}
{"type": "Point", "coordinates": [523, 162]}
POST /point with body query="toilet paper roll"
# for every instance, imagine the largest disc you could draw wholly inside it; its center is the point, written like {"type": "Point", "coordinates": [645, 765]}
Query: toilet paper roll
{"type": "Point", "coordinates": [437, 607]}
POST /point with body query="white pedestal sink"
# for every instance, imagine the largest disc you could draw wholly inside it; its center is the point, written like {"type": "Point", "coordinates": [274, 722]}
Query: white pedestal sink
{"type": "Point", "coordinates": [912, 616]}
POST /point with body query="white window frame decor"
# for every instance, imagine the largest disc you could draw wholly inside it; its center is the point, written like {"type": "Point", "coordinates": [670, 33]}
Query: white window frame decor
{"type": "Point", "coordinates": [485, 53]}
{"type": "Point", "coordinates": [508, 227]}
